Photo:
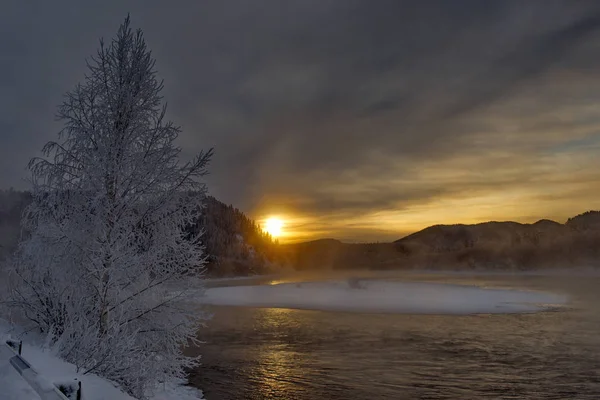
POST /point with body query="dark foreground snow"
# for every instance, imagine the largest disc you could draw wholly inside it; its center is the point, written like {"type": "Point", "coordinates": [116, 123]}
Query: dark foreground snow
{"type": "Point", "coordinates": [13, 387]}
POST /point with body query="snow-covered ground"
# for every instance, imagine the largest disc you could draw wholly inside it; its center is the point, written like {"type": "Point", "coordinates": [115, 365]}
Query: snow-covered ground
{"type": "Point", "coordinates": [12, 386]}
{"type": "Point", "coordinates": [384, 296]}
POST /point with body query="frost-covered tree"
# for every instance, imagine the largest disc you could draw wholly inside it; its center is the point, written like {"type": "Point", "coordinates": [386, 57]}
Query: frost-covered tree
{"type": "Point", "coordinates": [109, 260]}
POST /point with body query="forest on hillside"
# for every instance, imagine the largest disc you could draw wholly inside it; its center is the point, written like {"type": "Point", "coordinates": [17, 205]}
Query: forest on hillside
{"type": "Point", "coordinates": [234, 243]}
{"type": "Point", "coordinates": [237, 246]}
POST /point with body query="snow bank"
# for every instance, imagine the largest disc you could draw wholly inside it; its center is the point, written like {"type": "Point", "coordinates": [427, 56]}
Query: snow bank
{"type": "Point", "coordinates": [94, 387]}
{"type": "Point", "coordinates": [384, 296]}
{"type": "Point", "coordinates": [12, 386]}
{"type": "Point", "coordinates": [52, 368]}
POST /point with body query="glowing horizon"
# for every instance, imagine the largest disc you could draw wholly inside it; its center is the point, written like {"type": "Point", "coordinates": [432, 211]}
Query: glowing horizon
{"type": "Point", "coordinates": [274, 226]}
{"type": "Point", "coordinates": [356, 144]}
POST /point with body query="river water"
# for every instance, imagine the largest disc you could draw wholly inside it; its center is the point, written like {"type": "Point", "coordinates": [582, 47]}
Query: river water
{"type": "Point", "coordinates": [269, 353]}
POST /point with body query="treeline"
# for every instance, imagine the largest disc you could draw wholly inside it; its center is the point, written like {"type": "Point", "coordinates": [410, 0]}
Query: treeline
{"type": "Point", "coordinates": [235, 244]}
{"type": "Point", "coordinates": [12, 204]}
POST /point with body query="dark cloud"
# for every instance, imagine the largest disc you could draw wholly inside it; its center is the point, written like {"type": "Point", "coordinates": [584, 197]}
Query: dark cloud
{"type": "Point", "coordinates": [335, 109]}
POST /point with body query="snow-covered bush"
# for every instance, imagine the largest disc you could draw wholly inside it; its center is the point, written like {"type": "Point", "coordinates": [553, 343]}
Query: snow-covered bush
{"type": "Point", "coordinates": [109, 261]}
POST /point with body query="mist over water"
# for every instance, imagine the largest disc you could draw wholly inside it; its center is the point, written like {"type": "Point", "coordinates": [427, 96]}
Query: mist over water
{"type": "Point", "coordinates": [370, 295]}
{"type": "Point", "coordinates": [269, 353]}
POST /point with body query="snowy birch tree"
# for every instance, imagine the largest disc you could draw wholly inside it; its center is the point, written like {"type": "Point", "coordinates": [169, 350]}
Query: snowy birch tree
{"type": "Point", "coordinates": [109, 261]}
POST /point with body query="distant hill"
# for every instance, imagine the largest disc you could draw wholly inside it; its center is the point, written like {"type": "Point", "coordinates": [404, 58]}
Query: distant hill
{"type": "Point", "coordinates": [587, 221]}
{"type": "Point", "coordinates": [304, 255]}
{"type": "Point", "coordinates": [489, 245]}
{"type": "Point", "coordinates": [236, 245]}
{"type": "Point", "coordinates": [443, 238]}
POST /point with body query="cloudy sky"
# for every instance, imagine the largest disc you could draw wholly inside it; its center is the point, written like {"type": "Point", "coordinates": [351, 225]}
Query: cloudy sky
{"type": "Point", "coordinates": [360, 120]}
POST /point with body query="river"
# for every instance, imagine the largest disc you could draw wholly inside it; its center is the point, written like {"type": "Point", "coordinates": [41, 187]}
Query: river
{"type": "Point", "coordinates": [269, 353]}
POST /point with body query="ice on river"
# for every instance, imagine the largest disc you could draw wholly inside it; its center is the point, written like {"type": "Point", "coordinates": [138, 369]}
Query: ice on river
{"type": "Point", "coordinates": [385, 296]}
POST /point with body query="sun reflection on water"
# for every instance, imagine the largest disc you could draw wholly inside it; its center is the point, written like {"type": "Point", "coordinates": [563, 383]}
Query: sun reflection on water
{"type": "Point", "coordinates": [280, 368]}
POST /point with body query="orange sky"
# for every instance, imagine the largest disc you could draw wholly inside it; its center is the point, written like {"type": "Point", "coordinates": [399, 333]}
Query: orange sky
{"type": "Point", "coordinates": [500, 185]}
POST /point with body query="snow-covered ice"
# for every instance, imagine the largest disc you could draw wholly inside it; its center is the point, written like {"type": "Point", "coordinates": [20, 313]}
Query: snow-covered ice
{"type": "Point", "coordinates": [384, 296]}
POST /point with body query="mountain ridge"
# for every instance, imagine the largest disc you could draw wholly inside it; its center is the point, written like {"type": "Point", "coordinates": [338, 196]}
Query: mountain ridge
{"type": "Point", "coordinates": [486, 245]}
{"type": "Point", "coordinates": [236, 245]}
{"type": "Point", "coordinates": [572, 221]}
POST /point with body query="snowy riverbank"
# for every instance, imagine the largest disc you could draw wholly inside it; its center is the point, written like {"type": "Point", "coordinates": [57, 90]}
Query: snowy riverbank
{"type": "Point", "coordinates": [384, 296]}
{"type": "Point", "coordinates": [13, 387]}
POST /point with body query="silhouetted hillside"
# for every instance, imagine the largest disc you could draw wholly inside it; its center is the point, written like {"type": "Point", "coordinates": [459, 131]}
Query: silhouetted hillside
{"type": "Point", "coordinates": [333, 254]}
{"type": "Point", "coordinates": [444, 238]}
{"type": "Point", "coordinates": [489, 245]}
{"type": "Point", "coordinates": [587, 221]}
{"type": "Point", "coordinates": [302, 256]}
{"type": "Point", "coordinates": [235, 244]}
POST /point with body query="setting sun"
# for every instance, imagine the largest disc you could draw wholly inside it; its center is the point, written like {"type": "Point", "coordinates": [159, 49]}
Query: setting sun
{"type": "Point", "coordinates": [273, 226]}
